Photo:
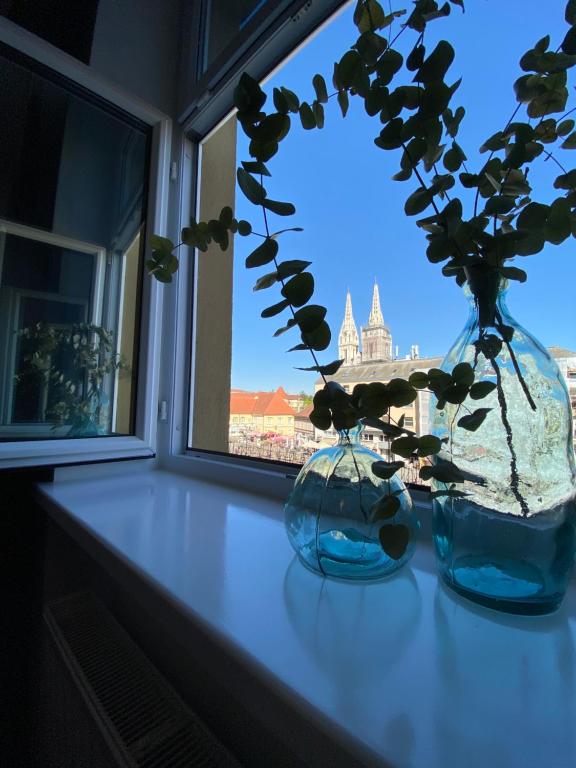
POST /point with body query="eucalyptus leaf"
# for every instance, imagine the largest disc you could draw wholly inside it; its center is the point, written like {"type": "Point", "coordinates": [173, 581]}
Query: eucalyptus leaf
{"type": "Point", "coordinates": [264, 254]}
{"type": "Point", "coordinates": [386, 469]}
{"type": "Point", "coordinates": [481, 389]}
{"type": "Point", "coordinates": [275, 309]}
{"type": "Point", "coordinates": [299, 289]}
{"type": "Point", "coordinates": [394, 540]}
{"type": "Point", "coordinates": [386, 507]}
{"type": "Point", "coordinates": [472, 421]}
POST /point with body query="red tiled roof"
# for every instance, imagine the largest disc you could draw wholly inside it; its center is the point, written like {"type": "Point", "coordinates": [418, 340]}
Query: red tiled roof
{"type": "Point", "coordinates": [260, 403]}
{"type": "Point", "coordinates": [305, 412]}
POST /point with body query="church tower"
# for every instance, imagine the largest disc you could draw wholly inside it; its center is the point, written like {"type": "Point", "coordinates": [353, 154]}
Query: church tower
{"type": "Point", "coordinates": [376, 336]}
{"type": "Point", "coordinates": [348, 338]}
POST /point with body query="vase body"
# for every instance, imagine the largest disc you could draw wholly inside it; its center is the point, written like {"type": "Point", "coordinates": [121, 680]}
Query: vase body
{"type": "Point", "coordinates": [509, 543]}
{"type": "Point", "coordinates": [328, 513]}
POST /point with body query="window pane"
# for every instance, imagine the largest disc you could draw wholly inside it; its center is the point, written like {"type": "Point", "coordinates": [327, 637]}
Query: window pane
{"type": "Point", "coordinates": [368, 257]}
{"type": "Point", "coordinates": [224, 21]}
{"type": "Point", "coordinates": [72, 204]}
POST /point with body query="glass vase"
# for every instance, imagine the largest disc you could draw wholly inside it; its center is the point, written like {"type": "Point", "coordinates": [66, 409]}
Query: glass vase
{"type": "Point", "coordinates": [330, 514]}
{"type": "Point", "coordinates": [509, 543]}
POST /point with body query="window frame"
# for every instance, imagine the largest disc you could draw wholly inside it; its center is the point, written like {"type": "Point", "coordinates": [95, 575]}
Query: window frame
{"type": "Point", "coordinates": [142, 444]}
{"type": "Point", "coordinates": [267, 477]}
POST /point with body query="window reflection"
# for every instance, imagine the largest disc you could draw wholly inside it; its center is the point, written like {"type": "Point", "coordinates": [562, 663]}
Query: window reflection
{"type": "Point", "coordinates": [72, 204]}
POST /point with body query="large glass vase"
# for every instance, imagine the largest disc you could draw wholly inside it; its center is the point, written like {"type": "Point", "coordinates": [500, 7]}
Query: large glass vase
{"type": "Point", "coordinates": [331, 518]}
{"type": "Point", "coordinates": [509, 543]}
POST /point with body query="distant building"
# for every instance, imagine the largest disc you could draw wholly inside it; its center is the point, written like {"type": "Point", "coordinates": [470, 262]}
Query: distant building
{"type": "Point", "coordinates": [302, 424]}
{"type": "Point", "coordinates": [374, 361]}
{"type": "Point", "coordinates": [261, 412]}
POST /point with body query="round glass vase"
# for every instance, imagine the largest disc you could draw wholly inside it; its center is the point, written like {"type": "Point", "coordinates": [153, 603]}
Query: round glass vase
{"type": "Point", "coordinates": [508, 544]}
{"type": "Point", "coordinates": [329, 514]}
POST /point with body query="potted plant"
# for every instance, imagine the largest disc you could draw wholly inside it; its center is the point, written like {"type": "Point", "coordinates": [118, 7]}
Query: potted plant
{"type": "Point", "coordinates": [490, 465]}
{"type": "Point", "coordinates": [70, 363]}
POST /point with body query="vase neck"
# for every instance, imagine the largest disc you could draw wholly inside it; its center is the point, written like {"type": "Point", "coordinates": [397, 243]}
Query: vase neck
{"type": "Point", "coordinates": [348, 437]}
{"type": "Point", "coordinates": [486, 290]}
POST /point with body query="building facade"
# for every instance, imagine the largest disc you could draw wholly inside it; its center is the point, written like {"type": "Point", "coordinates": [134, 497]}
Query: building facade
{"type": "Point", "coordinates": [258, 413]}
{"type": "Point", "coordinates": [373, 360]}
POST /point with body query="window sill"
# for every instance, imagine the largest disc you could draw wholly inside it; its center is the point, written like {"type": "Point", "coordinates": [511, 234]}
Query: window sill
{"type": "Point", "coordinates": [390, 674]}
{"type": "Point", "coordinates": [63, 452]}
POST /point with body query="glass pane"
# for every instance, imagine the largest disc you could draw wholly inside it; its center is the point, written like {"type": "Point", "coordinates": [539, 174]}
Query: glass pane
{"type": "Point", "coordinates": [391, 311]}
{"type": "Point", "coordinates": [72, 203]}
{"type": "Point", "coordinates": [224, 20]}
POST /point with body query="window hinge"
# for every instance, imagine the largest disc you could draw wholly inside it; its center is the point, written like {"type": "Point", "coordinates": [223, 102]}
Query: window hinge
{"type": "Point", "coordinates": [163, 410]}
{"type": "Point", "coordinates": [173, 171]}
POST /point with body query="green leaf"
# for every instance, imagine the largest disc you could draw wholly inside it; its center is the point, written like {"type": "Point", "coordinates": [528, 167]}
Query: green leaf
{"type": "Point", "coordinates": [566, 180]}
{"type": "Point", "coordinates": [569, 42]}
{"type": "Point", "coordinates": [255, 167]}
{"type": "Point", "coordinates": [533, 216]}
{"type": "Point", "coordinates": [385, 470]}
{"type": "Point", "coordinates": [252, 189]}
{"type": "Point", "coordinates": [437, 64]}
{"type": "Point", "coordinates": [291, 98]}
{"type": "Point", "coordinates": [325, 370]}
{"type": "Point", "coordinates": [280, 102]}
{"type": "Point", "coordinates": [307, 116]}
{"type": "Point", "coordinates": [463, 374]}
{"type": "Point", "coordinates": [456, 394]}
{"type": "Point", "coordinates": [320, 88]}
{"type": "Point", "coordinates": [244, 228]}
{"type": "Point", "coordinates": [368, 16]}
{"type": "Point", "coordinates": [389, 429]}
{"type": "Point", "coordinates": [499, 204]}
{"type": "Point", "coordinates": [264, 254]}
{"type": "Point", "coordinates": [291, 267]}
{"type": "Point", "coordinates": [401, 392]}
{"type": "Point", "coordinates": [481, 389]}
{"type": "Point", "coordinates": [343, 102]}
{"type": "Point", "coordinates": [266, 281]}
{"type": "Point", "coordinates": [474, 420]}
{"type": "Point", "coordinates": [513, 273]}
{"type": "Point", "coordinates": [290, 324]}
{"type": "Point", "coordinates": [310, 317]}
{"type": "Point", "coordinates": [418, 379]}
{"type": "Point", "coordinates": [280, 209]}
{"type": "Point", "coordinates": [444, 471]}
{"type": "Point", "coordinates": [405, 446]}
{"type": "Point", "coordinates": [429, 445]}
{"type": "Point", "coordinates": [418, 201]}
{"type": "Point", "coordinates": [348, 68]}
{"type": "Point", "coordinates": [570, 142]}
{"type": "Point", "coordinates": [318, 111]}
{"type": "Point", "coordinates": [416, 57]}
{"type": "Point", "coordinates": [299, 289]}
{"type": "Point", "coordinates": [558, 226]}
{"type": "Point", "coordinates": [275, 309]}
{"type": "Point", "coordinates": [321, 418]}
{"type": "Point", "coordinates": [570, 12]}
{"type": "Point", "coordinates": [319, 338]}
{"type": "Point", "coordinates": [391, 135]}
{"type": "Point", "coordinates": [161, 243]}
{"type": "Point", "coordinates": [394, 540]}
{"type": "Point", "coordinates": [387, 506]}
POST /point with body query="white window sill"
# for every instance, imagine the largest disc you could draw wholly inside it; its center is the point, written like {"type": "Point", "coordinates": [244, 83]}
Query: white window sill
{"type": "Point", "coordinates": [397, 673]}
{"type": "Point", "coordinates": [62, 452]}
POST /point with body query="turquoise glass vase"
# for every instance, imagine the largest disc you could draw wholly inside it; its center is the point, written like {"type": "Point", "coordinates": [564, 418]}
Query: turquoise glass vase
{"type": "Point", "coordinates": [509, 543]}
{"type": "Point", "coordinates": [329, 514]}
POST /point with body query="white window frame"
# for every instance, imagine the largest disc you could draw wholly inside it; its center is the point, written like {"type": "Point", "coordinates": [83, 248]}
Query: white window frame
{"type": "Point", "coordinates": [143, 443]}
{"type": "Point", "coordinates": [266, 478]}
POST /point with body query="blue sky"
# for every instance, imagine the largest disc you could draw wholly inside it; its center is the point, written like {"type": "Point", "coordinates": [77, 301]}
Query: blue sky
{"type": "Point", "coordinates": [352, 212]}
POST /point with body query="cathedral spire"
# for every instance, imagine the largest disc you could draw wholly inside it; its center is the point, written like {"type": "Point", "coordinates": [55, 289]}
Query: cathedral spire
{"type": "Point", "coordinates": [348, 338]}
{"type": "Point", "coordinates": [376, 337]}
{"type": "Point", "coordinates": [376, 317]}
